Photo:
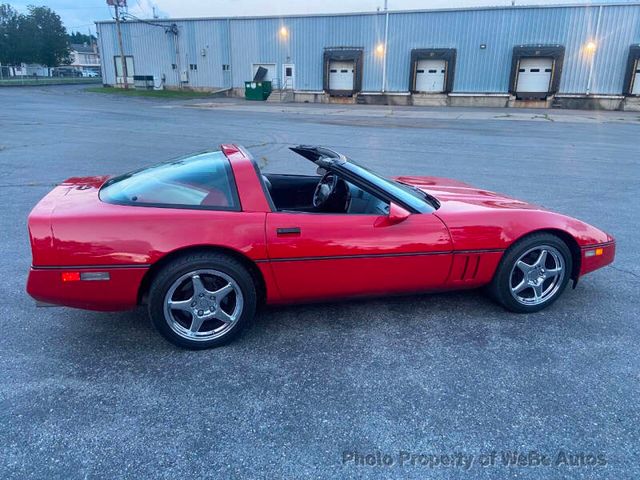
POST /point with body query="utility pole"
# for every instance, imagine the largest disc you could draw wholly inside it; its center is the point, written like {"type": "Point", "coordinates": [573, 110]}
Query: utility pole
{"type": "Point", "coordinates": [117, 4]}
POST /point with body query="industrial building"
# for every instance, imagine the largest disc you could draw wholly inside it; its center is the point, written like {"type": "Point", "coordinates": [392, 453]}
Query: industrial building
{"type": "Point", "coordinates": [576, 56]}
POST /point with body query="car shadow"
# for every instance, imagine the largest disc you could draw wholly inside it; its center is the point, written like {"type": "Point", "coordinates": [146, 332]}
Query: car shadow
{"type": "Point", "coordinates": [463, 317]}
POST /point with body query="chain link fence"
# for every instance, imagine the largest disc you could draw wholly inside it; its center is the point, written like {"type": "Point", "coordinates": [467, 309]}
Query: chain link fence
{"type": "Point", "coordinates": [16, 76]}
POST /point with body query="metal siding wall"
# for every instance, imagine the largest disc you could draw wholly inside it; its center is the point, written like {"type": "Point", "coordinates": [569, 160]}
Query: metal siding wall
{"type": "Point", "coordinates": [106, 33]}
{"type": "Point", "coordinates": [154, 50]}
{"type": "Point", "coordinates": [208, 36]}
{"type": "Point", "coordinates": [253, 41]}
{"type": "Point", "coordinates": [619, 29]}
{"type": "Point", "coordinates": [212, 38]}
{"type": "Point", "coordinates": [257, 40]}
{"type": "Point", "coordinates": [487, 70]}
{"type": "Point", "coordinates": [476, 70]}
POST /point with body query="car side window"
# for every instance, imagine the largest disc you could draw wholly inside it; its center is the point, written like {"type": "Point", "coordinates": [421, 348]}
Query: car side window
{"type": "Point", "coordinates": [203, 181]}
{"type": "Point", "coordinates": [362, 202]}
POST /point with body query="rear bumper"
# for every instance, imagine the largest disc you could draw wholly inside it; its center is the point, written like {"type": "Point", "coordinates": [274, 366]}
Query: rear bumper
{"type": "Point", "coordinates": [119, 292]}
{"type": "Point", "coordinates": [596, 256]}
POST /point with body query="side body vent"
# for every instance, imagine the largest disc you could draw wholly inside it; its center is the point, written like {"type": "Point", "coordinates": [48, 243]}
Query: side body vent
{"type": "Point", "coordinates": [470, 269]}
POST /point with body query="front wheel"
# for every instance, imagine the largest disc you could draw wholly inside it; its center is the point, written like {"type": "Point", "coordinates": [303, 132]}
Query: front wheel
{"type": "Point", "coordinates": [533, 273]}
{"type": "Point", "coordinates": [202, 300]}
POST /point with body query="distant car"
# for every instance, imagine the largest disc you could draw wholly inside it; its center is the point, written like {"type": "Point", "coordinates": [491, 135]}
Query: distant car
{"type": "Point", "coordinates": [90, 73]}
{"type": "Point", "coordinates": [66, 72]}
{"type": "Point", "coordinates": [203, 240]}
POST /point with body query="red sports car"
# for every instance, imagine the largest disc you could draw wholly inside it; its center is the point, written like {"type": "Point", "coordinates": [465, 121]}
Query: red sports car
{"type": "Point", "coordinates": [206, 239]}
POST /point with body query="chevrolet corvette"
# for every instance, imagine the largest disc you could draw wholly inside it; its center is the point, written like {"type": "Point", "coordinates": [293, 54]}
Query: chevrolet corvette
{"type": "Point", "coordinates": [203, 241]}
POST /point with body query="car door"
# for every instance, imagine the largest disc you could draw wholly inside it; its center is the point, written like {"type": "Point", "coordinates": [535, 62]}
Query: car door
{"type": "Point", "coordinates": [317, 255]}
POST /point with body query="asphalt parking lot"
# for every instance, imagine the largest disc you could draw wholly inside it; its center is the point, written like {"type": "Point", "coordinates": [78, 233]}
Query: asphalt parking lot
{"type": "Point", "coordinates": [309, 388]}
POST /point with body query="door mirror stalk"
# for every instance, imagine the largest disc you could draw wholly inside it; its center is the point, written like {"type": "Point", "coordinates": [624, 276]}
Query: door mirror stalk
{"type": "Point", "coordinates": [397, 214]}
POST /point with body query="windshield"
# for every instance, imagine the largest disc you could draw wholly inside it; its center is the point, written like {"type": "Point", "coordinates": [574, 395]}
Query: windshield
{"type": "Point", "coordinates": [410, 196]}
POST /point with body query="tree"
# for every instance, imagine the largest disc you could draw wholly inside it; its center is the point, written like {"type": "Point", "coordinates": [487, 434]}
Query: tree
{"type": "Point", "coordinates": [49, 45]}
{"type": "Point", "coordinates": [81, 38]}
{"type": "Point", "coordinates": [9, 35]}
{"type": "Point", "coordinates": [37, 37]}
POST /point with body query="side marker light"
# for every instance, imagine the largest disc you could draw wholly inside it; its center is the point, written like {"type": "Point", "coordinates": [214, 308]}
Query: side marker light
{"type": "Point", "coordinates": [85, 276]}
{"type": "Point", "coordinates": [70, 276]}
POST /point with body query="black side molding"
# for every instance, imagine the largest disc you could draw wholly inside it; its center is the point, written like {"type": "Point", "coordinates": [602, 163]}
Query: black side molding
{"type": "Point", "coordinates": [288, 231]}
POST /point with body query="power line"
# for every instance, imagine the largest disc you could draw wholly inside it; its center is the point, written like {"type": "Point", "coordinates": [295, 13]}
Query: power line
{"type": "Point", "coordinates": [78, 26]}
{"type": "Point", "coordinates": [173, 28]}
{"type": "Point", "coordinates": [78, 8]}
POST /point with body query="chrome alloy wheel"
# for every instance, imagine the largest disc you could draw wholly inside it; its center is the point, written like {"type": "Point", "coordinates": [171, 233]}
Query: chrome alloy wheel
{"type": "Point", "coordinates": [537, 275]}
{"type": "Point", "coordinates": [203, 305]}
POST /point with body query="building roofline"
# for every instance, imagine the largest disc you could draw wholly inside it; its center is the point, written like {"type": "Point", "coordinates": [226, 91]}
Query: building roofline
{"type": "Point", "coordinates": [380, 12]}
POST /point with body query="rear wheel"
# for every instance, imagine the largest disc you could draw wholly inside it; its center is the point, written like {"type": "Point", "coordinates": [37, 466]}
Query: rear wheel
{"type": "Point", "coordinates": [533, 273]}
{"type": "Point", "coordinates": [202, 300]}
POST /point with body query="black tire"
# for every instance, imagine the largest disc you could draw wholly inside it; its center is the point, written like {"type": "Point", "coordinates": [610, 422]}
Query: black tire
{"type": "Point", "coordinates": [171, 325]}
{"type": "Point", "coordinates": [503, 282]}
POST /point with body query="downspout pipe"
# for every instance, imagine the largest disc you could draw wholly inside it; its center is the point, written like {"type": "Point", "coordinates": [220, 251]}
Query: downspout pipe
{"type": "Point", "coordinates": [229, 53]}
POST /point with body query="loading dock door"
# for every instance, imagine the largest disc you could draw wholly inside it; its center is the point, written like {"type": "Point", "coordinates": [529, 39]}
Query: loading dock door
{"type": "Point", "coordinates": [341, 75]}
{"type": "Point", "coordinates": [430, 75]}
{"type": "Point", "coordinates": [534, 75]}
{"type": "Point", "coordinates": [636, 80]}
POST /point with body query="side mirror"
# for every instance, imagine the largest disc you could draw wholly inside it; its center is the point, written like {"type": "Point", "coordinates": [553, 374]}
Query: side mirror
{"type": "Point", "coordinates": [397, 214]}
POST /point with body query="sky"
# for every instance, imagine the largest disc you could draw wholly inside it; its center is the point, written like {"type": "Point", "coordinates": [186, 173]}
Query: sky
{"type": "Point", "coordinates": [80, 15]}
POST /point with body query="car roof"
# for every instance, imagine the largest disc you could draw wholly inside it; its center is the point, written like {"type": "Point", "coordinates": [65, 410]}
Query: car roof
{"type": "Point", "coordinates": [320, 155]}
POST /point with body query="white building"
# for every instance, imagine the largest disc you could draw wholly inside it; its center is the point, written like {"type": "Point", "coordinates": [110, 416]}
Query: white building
{"type": "Point", "coordinates": [85, 57]}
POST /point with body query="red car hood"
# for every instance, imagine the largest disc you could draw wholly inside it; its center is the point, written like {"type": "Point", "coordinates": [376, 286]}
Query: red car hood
{"type": "Point", "coordinates": [453, 194]}
{"type": "Point", "coordinates": [479, 219]}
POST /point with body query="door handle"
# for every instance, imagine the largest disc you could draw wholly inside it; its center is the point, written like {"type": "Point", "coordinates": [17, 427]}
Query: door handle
{"type": "Point", "coordinates": [288, 231]}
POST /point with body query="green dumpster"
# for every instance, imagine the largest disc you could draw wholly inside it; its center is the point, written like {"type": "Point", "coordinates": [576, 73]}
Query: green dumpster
{"type": "Point", "coordinates": [257, 90]}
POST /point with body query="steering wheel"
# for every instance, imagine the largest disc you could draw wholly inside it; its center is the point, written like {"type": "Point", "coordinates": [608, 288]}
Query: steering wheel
{"type": "Point", "coordinates": [325, 189]}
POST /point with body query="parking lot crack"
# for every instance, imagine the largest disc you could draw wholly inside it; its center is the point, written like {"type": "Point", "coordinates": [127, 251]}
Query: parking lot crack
{"type": "Point", "coordinates": [633, 274]}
